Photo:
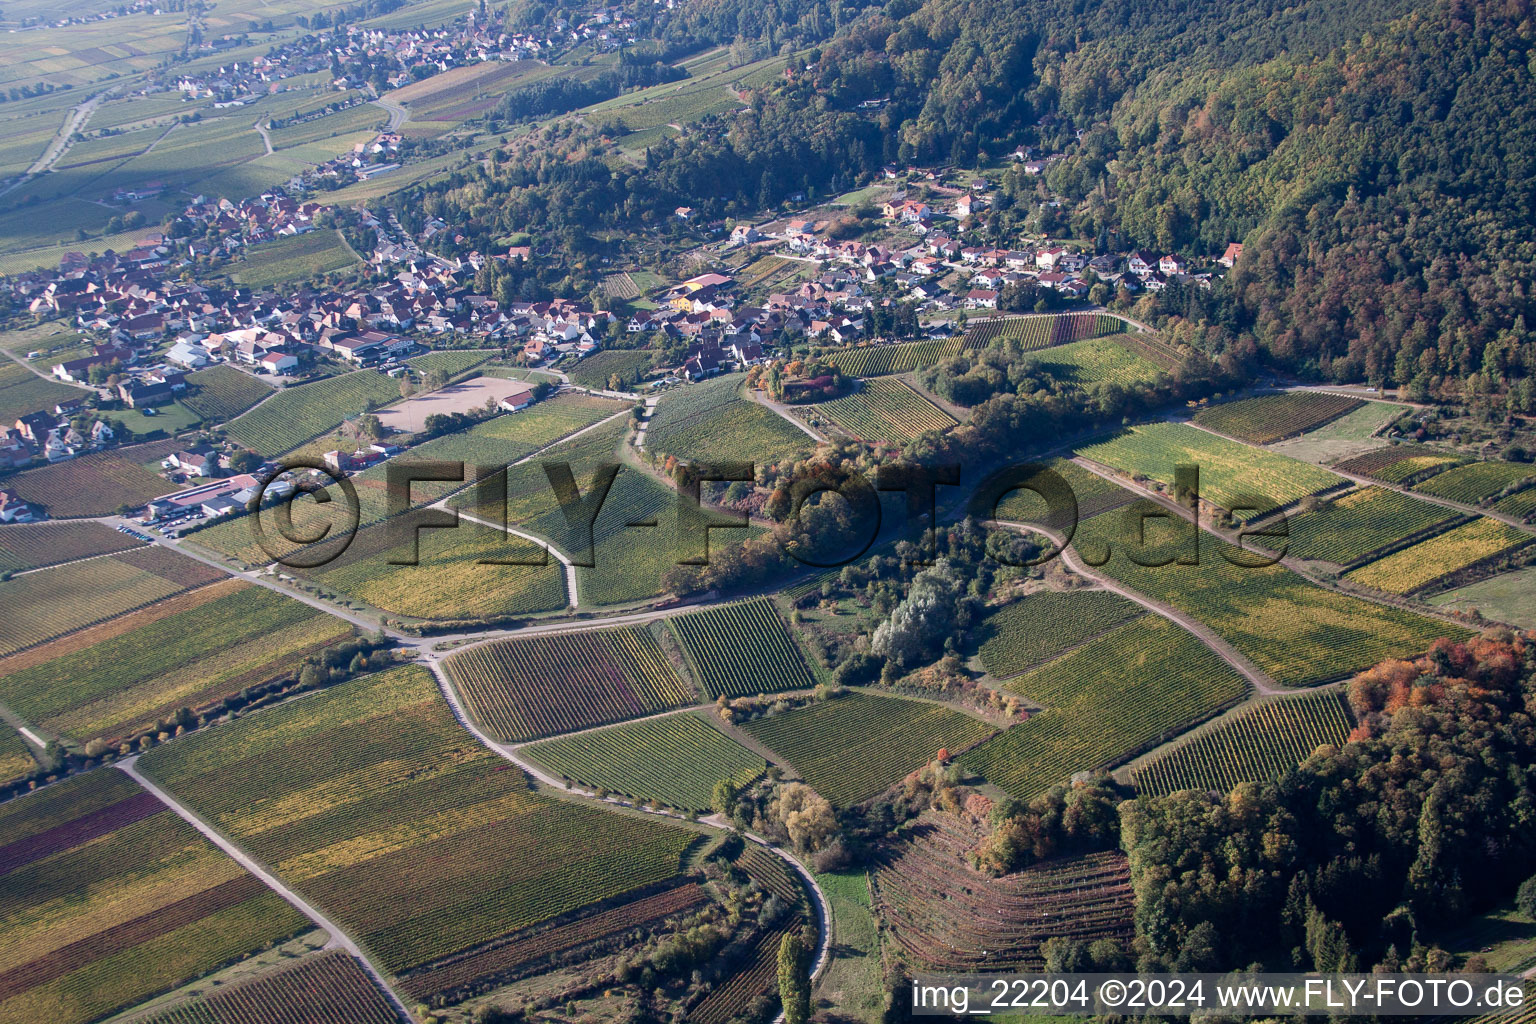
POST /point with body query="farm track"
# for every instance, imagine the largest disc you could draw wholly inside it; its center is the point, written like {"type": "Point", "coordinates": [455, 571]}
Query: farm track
{"type": "Point", "coordinates": [1225, 651]}
{"type": "Point", "coordinates": [338, 938]}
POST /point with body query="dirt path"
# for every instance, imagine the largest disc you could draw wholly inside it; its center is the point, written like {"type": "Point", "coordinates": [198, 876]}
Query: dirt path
{"type": "Point", "coordinates": [1225, 651]}
{"type": "Point", "coordinates": [769, 404]}
{"type": "Point", "coordinates": [339, 939]}
{"type": "Point", "coordinates": [266, 136]}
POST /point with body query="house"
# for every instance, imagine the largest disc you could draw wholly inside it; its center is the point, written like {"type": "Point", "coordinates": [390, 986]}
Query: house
{"type": "Point", "coordinates": [516, 400]}
{"type": "Point", "coordinates": [683, 213]}
{"type": "Point", "coordinates": [35, 426]}
{"type": "Point", "coordinates": [743, 234]}
{"type": "Point", "coordinates": [223, 505]}
{"type": "Point", "coordinates": [13, 509]}
{"type": "Point", "coordinates": [191, 356]}
{"type": "Point", "coordinates": [1034, 167]}
{"type": "Point", "coordinates": [909, 211]}
{"type": "Point", "coordinates": [1141, 263]}
{"type": "Point", "coordinates": [279, 362]}
{"type": "Point", "coordinates": [981, 298]}
{"type": "Point", "coordinates": [194, 463]}
{"type": "Point", "coordinates": [1232, 255]}
{"type": "Point", "coordinates": [1172, 264]}
{"type": "Point", "coordinates": [140, 395]}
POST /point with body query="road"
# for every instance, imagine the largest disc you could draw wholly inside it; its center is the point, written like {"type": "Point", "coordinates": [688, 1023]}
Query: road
{"type": "Point", "coordinates": [1223, 650]}
{"type": "Point", "coordinates": [77, 119]}
{"type": "Point", "coordinates": [266, 136]}
{"type": "Point", "coordinates": [339, 938]}
{"type": "Point", "coordinates": [397, 113]}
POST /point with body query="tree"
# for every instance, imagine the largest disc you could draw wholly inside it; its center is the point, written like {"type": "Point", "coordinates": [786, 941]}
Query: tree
{"type": "Point", "coordinates": [723, 799]}
{"type": "Point", "coordinates": [795, 979]}
{"type": "Point", "coordinates": [245, 462]}
{"type": "Point", "coordinates": [1525, 898]}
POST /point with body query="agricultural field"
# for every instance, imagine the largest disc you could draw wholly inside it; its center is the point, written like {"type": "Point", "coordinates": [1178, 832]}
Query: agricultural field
{"type": "Point", "coordinates": [97, 484]}
{"type": "Point", "coordinates": [741, 649]}
{"type": "Point", "coordinates": [1356, 524]}
{"type": "Point", "coordinates": [1296, 632]}
{"type": "Point", "coordinates": [712, 422]}
{"type": "Point", "coordinates": [1255, 744]}
{"type": "Point", "coordinates": [1041, 626]}
{"type": "Point", "coordinates": [452, 362]}
{"type": "Point", "coordinates": [734, 996]}
{"type": "Point", "coordinates": [220, 393]}
{"type": "Point", "coordinates": [1521, 504]}
{"type": "Point", "coordinates": [1093, 495]}
{"type": "Point", "coordinates": [879, 360]}
{"type": "Point", "coordinates": [192, 651]}
{"type": "Point", "coordinates": [1137, 685]}
{"type": "Point", "coordinates": [1271, 418]}
{"type": "Point", "coordinates": [1508, 597]}
{"type": "Point", "coordinates": [620, 287]}
{"type": "Point", "coordinates": [886, 411]}
{"type": "Point", "coordinates": [328, 986]}
{"type": "Point", "coordinates": [856, 746]}
{"type": "Point", "coordinates": [417, 840]}
{"type": "Point", "coordinates": [26, 546]}
{"type": "Point", "coordinates": [594, 370]}
{"type": "Point", "coordinates": [1037, 332]}
{"type": "Point", "coordinates": [944, 915]}
{"type": "Point", "coordinates": [1400, 463]}
{"type": "Point", "coordinates": [1412, 568]}
{"type": "Point", "coordinates": [299, 258]}
{"type": "Point", "coordinates": [16, 759]}
{"type": "Point", "coordinates": [525, 954]}
{"type": "Point", "coordinates": [1232, 475]}
{"type": "Point", "coordinates": [110, 898]}
{"type": "Point", "coordinates": [294, 415]}
{"type": "Point", "coordinates": [543, 686]}
{"type": "Point", "coordinates": [673, 759]}
{"type": "Point", "coordinates": [465, 92]}
{"type": "Point", "coordinates": [52, 602]}
{"type": "Point", "coordinates": [1479, 482]}
{"type": "Point", "coordinates": [1097, 361]}
{"type": "Point", "coordinates": [23, 392]}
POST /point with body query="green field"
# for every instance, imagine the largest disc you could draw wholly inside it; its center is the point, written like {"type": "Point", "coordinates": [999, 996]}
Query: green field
{"type": "Point", "coordinates": [1097, 361]}
{"type": "Point", "coordinates": [1231, 474]}
{"type": "Point", "coordinates": [1134, 686]}
{"type": "Point", "coordinates": [1257, 743]}
{"type": "Point", "coordinates": [857, 745]}
{"type": "Point", "coordinates": [711, 422]}
{"type": "Point", "coordinates": [188, 652]}
{"type": "Point", "coordinates": [741, 649]}
{"type": "Point", "coordinates": [594, 370]}
{"type": "Point", "coordinates": [1478, 482]}
{"type": "Point", "coordinates": [543, 686]}
{"type": "Point", "coordinates": [16, 759]}
{"type": "Point", "coordinates": [110, 898]}
{"type": "Point", "coordinates": [220, 393]}
{"type": "Point", "coordinates": [409, 833]}
{"type": "Point", "coordinates": [294, 259]}
{"type": "Point", "coordinates": [1034, 629]}
{"type": "Point", "coordinates": [1356, 524]}
{"type": "Point", "coordinates": [23, 392]}
{"type": "Point", "coordinates": [1270, 418]}
{"type": "Point", "coordinates": [1295, 631]}
{"type": "Point", "coordinates": [1092, 493]}
{"type": "Point", "coordinates": [1405, 571]}
{"type": "Point", "coordinates": [673, 759]}
{"type": "Point", "coordinates": [1509, 597]}
{"type": "Point", "coordinates": [294, 415]}
{"type": "Point", "coordinates": [886, 411]}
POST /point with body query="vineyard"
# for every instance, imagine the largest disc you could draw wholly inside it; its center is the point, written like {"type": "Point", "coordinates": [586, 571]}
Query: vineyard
{"type": "Point", "coordinates": [329, 986]}
{"type": "Point", "coordinates": [450, 362]}
{"type": "Point", "coordinates": [34, 546]}
{"type": "Point", "coordinates": [1093, 495]}
{"type": "Point", "coordinates": [595, 369]}
{"type": "Point", "coordinates": [1412, 568]}
{"type": "Point", "coordinates": [855, 746]}
{"type": "Point", "coordinates": [620, 287]}
{"type": "Point", "coordinates": [1098, 361]}
{"type": "Point", "coordinates": [1036, 332]}
{"type": "Point", "coordinates": [1296, 632]}
{"type": "Point", "coordinates": [1271, 418]}
{"type": "Point", "coordinates": [1361, 522]}
{"type": "Point", "coordinates": [416, 839]}
{"type": "Point", "coordinates": [943, 915]}
{"type": "Point", "coordinates": [1256, 744]}
{"type": "Point", "coordinates": [522, 954]}
{"type": "Point", "coordinates": [1521, 504]}
{"type": "Point", "coordinates": [294, 415]}
{"type": "Point", "coordinates": [544, 686]}
{"type": "Point", "coordinates": [886, 411]}
{"type": "Point", "coordinates": [1139, 684]}
{"type": "Point", "coordinates": [878, 360]}
{"type": "Point", "coordinates": [1231, 474]}
{"type": "Point", "coordinates": [96, 484]}
{"type": "Point", "coordinates": [711, 422]}
{"type": "Point", "coordinates": [1477, 482]}
{"type": "Point", "coordinates": [673, 759]}
{"type": "Point", "coordinates": [733, 996]}
{"type": "Point", "coordinates": [47, 604]}
{"type": "Point", "coordinates": [220, 393]}
{"type": "Point", "coordinates": [1043, 625]}
{"type": "Point", "coordinates": [189, 652]}
{"type": "Point", "coordinates": [1399, 463]}
{"type": "Point", "coordinates": [742, 649]}
{"type": "Point", "coordinates": [110, 898]}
